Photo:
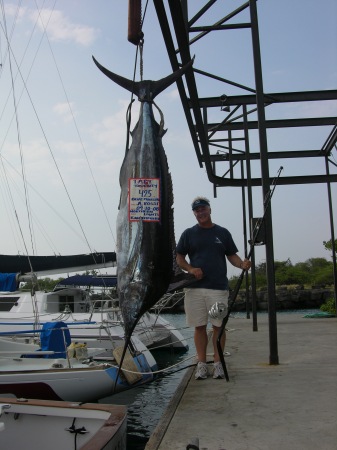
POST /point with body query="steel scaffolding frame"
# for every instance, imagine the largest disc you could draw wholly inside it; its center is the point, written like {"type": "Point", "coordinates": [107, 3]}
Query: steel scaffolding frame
{"type": "Point", "coordinates": [214, 143]}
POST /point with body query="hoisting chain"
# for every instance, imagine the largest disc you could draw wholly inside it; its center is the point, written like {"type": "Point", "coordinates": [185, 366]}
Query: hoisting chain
{"type": "Point", "coordinates": [141, 65]}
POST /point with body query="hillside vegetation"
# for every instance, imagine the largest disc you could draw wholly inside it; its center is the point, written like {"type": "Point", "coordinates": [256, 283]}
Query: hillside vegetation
{"type": "Point", "coordinates": [313, 272]}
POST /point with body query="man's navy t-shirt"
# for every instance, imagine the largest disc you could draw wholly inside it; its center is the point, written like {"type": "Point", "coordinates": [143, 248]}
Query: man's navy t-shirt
{"type": "Point", "coordinates": [207, 248]}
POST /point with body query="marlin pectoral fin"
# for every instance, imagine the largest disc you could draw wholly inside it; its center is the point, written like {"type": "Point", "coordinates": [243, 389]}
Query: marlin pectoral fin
{"type": "Point", "coordinates": [146, 90]}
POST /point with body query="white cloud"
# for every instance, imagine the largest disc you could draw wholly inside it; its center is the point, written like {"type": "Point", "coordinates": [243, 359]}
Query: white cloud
{"type": "Point", "coordinates": [319, 108]}
{"type": "Point", "coordinates": [13, 10]}
{"type": "Point", "coordinates": [65, 110]}
{"type": "Point", "coordinates": [111, 131]}
{"type": "Point", "coordinates": [60, 28]}
{"type": "Point", "coordinates": [173, 94]}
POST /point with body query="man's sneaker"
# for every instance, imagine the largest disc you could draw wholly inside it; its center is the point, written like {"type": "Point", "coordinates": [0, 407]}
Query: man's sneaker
{"type": "Point", "coordinates": [202, 371]}
{"type": "Point", "coordinates": [218, 371]}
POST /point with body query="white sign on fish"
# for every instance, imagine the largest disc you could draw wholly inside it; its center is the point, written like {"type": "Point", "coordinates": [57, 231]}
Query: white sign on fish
{"type": "Point", "coordinates": [144, 199]}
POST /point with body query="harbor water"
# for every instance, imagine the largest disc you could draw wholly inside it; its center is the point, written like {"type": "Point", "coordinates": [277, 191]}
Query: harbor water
{"type": "Point", "coordinates": [147, 403]}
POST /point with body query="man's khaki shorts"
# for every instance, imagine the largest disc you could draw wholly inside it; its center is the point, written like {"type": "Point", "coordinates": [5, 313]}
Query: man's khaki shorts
{"type": "Point", "coordinates": [198, 302]}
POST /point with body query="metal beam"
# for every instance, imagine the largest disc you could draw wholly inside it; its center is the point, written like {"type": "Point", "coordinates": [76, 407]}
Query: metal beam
{"type": "Point", "coordinates": [278, 97]}
{"type": "Point", "coordinates": [280, 123]}
{"type": "Point", "coordinates": [218, 157]}
{"type": "Point", "coordinates": [305, 179]}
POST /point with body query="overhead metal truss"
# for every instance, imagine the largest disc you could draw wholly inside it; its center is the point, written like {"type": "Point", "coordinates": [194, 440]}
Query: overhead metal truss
{"type": "Point", "coordinates": [177, 27]}
{"type": "Point", "coordinates": [224, 147]}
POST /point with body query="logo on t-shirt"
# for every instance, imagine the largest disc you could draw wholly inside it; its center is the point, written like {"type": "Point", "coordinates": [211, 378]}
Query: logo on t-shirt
{"type": "Point", "coordinates": [217, 241]}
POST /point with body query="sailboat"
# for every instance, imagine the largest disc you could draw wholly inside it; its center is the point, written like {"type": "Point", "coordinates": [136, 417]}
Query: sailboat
{"type": "Point", "coordinates": [30, 312]}
{"type": "Point", "coordinates": [57, 369]}
{"type": "Point", "coordinates": [71, 302]}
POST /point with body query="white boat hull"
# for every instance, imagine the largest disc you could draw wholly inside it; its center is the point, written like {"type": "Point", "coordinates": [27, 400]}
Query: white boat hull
{"type": "Point", "coordinates": [63, 379]}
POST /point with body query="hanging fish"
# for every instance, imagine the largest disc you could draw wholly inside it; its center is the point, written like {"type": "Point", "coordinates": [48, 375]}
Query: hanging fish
{"type": "Point", "coordinates": [145, 229]}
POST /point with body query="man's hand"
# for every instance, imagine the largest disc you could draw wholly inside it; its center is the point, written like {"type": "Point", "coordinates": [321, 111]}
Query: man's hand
{"type": "Point", "coordinates": [245, 264]}
{"type": "Point", "coordinates": [197, 272]}
{"type": "Point", "coordinates": [184, 265]}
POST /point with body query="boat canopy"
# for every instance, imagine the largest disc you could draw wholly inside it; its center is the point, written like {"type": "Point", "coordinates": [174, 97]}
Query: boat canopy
{"type": "Point", "coordinates": [179, 281]}
{"type": "Point", "coordinates": [45, 265]}
{"type": "Point", "coordinates": [88, 281]}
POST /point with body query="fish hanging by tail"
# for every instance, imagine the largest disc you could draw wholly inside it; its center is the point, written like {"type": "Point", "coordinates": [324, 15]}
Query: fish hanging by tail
{"type": "Point", "coordinates": [145, 227]}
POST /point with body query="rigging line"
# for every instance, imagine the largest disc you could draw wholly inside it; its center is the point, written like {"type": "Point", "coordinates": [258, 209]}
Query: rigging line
{"type": "Point", "coordinates": [38, 223]}
{"type": "Point", "coordinates": [30, 69]}
{"type": "Point", "coordinates": [3, 58]}
{"type": "Point", "coordinates": [155, 372]}
{"type": "Point", "coordinates": [46, 201]}
{"type": "Point", "coordinates": [51, 245]}
{"type": "Point", "coordinates": [54, 160]}
{"type": "Point", "coordinates": [9, 94]}
{"type": "Point", "coordinates": [8, 199]}
{"type": "Point", "coordinates": [75, 124]}
{"type": "Point", "coordinates": [24, 242]}
{"type": "Point", "coordinates": [30, 224]}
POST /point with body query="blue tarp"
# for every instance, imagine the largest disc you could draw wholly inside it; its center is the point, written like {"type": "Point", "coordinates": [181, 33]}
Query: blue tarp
{"type": "Point", "coordinates": [8, 282]}
{"type": "Point", "coordinates": [55, 337]}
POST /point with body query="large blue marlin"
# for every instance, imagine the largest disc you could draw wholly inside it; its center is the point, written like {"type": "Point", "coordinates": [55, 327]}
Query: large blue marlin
{"type": "Point", "coordinates": [145, 229]}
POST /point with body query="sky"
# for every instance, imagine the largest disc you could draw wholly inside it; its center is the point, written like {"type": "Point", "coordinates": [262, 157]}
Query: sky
{"type": "Point", "coordinates": [63, 125]}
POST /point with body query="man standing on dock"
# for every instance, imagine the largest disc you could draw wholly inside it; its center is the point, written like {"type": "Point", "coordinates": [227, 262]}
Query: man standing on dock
{"type": "Point", "coordinates": [207, 245]}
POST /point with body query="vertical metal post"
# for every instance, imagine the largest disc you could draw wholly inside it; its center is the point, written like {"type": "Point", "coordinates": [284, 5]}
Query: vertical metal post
{"type": "Point", "coordinates": [332, 231]}
{"type": "Point", "coordinates": [230, 155]}
{"type": "Point", "coordinates": [184, 8]}
{"type": "Point", "coordinates": [245, 239]}
{"type": "Point", "coordinates": [273, 357]}
{"type": "Point", "coordinates": [250, 216]}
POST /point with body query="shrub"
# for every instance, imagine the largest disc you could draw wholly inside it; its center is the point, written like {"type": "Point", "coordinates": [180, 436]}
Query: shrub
{"type": "Point", "coordinates": [329, 306]}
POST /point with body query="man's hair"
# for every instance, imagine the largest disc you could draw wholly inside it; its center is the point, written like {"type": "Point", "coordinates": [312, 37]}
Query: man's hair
{"type": "Point", "coordinates": [200, 200]}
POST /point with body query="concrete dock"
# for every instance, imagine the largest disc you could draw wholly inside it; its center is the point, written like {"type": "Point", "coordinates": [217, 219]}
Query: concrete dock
{"type": "Point", "coordinates": [292, 405]}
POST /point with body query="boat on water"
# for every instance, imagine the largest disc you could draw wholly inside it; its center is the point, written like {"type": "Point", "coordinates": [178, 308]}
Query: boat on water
{"type": "Point", "coordinates": [62, 371]}
{"type": "Point", "coordinates": [37, 424]}
{"type": "Point", "coordinates": [27, 372]}
{"type": "Point", "coordinates": [71, 302]}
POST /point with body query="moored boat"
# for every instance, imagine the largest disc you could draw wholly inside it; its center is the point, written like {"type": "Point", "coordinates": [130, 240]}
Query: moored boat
{"type": "Point", "coordinates": [41, 424]}
{"type": "Point", "coordinates": [54, 379]}
{"type": "Point", "coordinates": [61, 370]}
{"type": "Point", "coordinates": [86, 318]}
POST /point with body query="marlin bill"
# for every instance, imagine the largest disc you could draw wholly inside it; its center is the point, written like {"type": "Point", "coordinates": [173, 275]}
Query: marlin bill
{"type": "Point", "coordinates": [145, 229]}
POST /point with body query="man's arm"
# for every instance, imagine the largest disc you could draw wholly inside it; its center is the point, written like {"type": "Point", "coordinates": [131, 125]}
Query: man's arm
{"type": "Point", "coordinates": [184, 265]}
{"type": "Point", "coordinates": [236, 261]}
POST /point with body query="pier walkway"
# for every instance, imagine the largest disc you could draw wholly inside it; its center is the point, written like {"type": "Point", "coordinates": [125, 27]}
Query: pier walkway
{"type": "Point", "coordinates": [292, 405]}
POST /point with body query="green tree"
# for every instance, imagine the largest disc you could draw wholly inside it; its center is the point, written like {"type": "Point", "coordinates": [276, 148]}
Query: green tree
{"type": "Point", "coordinates": [43, 284]}
{"type": "Point", "coordinates": [314, 271]}
{"type": "Point", "coordinates": [328, 245]}
{"type": "Point", "coordinates": [284, 272]}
